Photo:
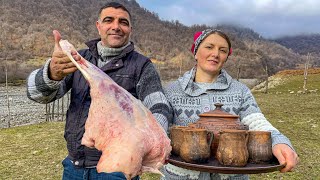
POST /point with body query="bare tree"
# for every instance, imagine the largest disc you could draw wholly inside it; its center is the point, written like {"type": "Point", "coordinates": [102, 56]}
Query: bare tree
{"type": "Point", "coordinates": [265, 65]}
{"type": "Point", "coordinates": [5, 53]}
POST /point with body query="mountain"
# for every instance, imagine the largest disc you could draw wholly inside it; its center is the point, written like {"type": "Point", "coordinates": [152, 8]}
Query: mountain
{"type": "Point", "coordinates": [26, 38]}
{"type": "Point", "coordinates": [303, 44]}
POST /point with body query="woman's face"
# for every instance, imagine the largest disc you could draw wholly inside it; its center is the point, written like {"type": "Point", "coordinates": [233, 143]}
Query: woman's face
{"type": "Point", "coordinates": [212, 54]}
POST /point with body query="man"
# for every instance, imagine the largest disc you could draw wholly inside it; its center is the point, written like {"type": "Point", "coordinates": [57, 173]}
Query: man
{"type": "Point", "coordinates": [115, 55]}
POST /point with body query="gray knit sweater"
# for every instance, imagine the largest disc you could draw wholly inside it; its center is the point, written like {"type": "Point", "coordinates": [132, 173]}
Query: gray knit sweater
{"type": "Point", "coordinates": [189, 99]}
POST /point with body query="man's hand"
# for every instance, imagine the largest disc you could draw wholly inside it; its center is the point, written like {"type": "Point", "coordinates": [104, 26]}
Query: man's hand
{"type": "Point", "coordinates": [285, 155]}
{"type": "Point", "coordinates": [60, 65]}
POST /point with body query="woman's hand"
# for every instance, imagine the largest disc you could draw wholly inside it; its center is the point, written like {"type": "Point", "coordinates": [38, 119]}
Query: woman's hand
{"type": "Point", "coordinates": [285, 155]}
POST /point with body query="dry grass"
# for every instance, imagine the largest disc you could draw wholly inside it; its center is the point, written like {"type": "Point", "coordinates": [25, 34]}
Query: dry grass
{"type": "Point", "coordinates": [36, 62]}
{"type": "Point", "coordinates": [296, 116]}
{"type": "Point", "coordinates": [32, 152]}
{"type": "Point", "coordinates": [36, 151]}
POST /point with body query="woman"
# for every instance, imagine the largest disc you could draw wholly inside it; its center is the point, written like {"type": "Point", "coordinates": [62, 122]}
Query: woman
{"type": "Point", "coordinates": [208, 83]}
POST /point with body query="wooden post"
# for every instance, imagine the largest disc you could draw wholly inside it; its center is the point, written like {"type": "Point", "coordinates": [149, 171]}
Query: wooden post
{"type": "Point", "coordinates": [7, 91]}
{"type": "Point", "coordinates": [180, 68]}
{"type": "Point", "coordinates": [264, 63]}
{"type": "Point", "coordinates": [159, 69]}
{"type": "Point", "coordinates": [52, 111]}
{"type": "Point", "coordinates": [267, 79]}
{"type": "Point", "coordinates": [305, 73]}
{"type": "Point", "coordinates": [68, 98]}
{"type": "Point", "coordinates": [238, 72]}
{"type": "Point", "coordinates": [58, 110]}
{"type": "Point", "coordinates": [47, 116]}
{"type": "Point", "coordinates": [49, 111]}
{"type": "Point", "coordinates": [62, 108]}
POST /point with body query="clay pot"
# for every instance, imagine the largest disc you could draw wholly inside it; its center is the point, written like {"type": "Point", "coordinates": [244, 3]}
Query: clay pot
{"type": "Point", "coordinates": [232, 149]}
{"type": "Point", "coordinates": [196, 145]}
{"type": "Point", "coordinates": [215, 121]}
{"type": "Point", "coordinates": [176, 136]}
{"type": "Point", "coordinates": [260, 146]}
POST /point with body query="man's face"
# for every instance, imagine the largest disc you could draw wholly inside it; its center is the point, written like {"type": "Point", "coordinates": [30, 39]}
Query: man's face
{"type": "Point", "coordinates": [114, 27]}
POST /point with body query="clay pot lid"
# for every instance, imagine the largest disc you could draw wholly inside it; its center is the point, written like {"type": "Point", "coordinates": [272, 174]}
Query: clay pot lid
{"type": "Point", "coordinates": [218, 112]}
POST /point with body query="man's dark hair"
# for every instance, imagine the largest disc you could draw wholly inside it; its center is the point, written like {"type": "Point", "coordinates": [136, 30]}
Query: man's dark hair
{"type": "Point", "coordinates": [115, 5]}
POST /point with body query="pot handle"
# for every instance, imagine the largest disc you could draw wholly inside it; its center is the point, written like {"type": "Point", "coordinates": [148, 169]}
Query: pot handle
{"type": "Point", "coordinates": [211, 136]}
{"type": "Point", "coordinates": [247, 137]}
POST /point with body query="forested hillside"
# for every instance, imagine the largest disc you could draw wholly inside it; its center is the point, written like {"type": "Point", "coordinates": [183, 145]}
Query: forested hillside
{"type": "Point", "coordinates": [302, 44]}
{"type": "Point", "coordinates": [26, 38]}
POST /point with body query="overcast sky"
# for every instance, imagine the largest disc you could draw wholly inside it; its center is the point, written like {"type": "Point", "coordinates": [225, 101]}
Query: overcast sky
{"type": "Point", "coordinates": [269, 18]}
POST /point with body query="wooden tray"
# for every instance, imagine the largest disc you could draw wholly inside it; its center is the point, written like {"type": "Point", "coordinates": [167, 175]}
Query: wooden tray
{"type": "Point", "coordinates": [213, 166]}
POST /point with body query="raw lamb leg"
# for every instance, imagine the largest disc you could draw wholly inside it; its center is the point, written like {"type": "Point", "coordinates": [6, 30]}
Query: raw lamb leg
{"type": "Point", "coordinates": [119, 125]}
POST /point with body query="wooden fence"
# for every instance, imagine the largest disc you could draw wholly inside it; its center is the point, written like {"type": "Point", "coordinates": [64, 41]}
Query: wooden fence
{"type": "Point", "coordinates": [56, 110]}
